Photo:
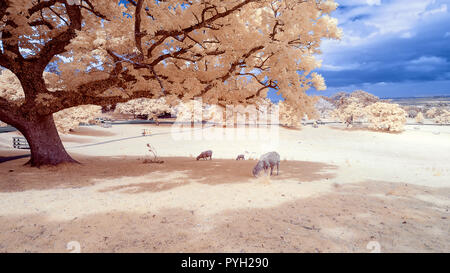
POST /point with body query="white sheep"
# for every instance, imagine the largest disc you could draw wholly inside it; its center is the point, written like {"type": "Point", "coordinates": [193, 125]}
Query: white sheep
{"type": "Point", "coordinates": [205, 155]}
{"type": "Point", "coordinates": [265, 161]}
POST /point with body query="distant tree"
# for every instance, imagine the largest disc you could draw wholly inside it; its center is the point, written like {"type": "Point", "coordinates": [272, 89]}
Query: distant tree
{"type": "Point", "coordinates": [349, 111]}
{"type": "Point", "coordinates": [171, 49]}
{"type": "Point", "coordinates": [386, 117]}
{"type": "Point", "coordinates": [342, 99]}
{"type": "Point", "coordinates": [324, 108]}
{"type": "Point", "coordinates": [364, 97]}
{"type": "Point", "coordinates": [412, 111]}
{"type": "Point", "coordinates": [443, 117]}
{"type": "Point", "coordinates": [65, 120]}
{"type": "Point", "coordinates": [151, 108]}
{"type": "Point", "coordinates": [434, 112]}
{"type": "Point", "coordinates": [289, 115]}
{"type": "Point", "coordinates": [10, 88]}
{"type": "Point", "coordinates": [339, 99]}
{"type": "Point", "coordinates": [419, 118]}
{"type": "Point", "coordinates": [69, 119]}
{"type": "Point", "coordinates": [350, 106]}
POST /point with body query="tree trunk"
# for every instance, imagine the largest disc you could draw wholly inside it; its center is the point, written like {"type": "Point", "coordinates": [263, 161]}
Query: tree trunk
{"type": "Point", "coordinates": [45, 143]}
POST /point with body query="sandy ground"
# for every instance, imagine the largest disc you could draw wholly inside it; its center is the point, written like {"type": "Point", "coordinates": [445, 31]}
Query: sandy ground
{"type": "Point", "coordinates": [337, 191]}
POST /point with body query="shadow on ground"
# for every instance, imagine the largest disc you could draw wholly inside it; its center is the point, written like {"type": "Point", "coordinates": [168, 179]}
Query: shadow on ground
{"type": "Point", "coordinates": [363, 128]}
{"type": "Point", "coordinates": [17, 177]}
{"type": "Point", "coordinates": [344, 220]}
{"type": "Point", "coordinates": [14, 157]}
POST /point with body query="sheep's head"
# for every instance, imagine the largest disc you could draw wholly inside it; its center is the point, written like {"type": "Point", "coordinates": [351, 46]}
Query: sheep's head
{"type": "Point", "coordinates": [257, 169]}
{"type": "Point", "coordinates": [200, 156]}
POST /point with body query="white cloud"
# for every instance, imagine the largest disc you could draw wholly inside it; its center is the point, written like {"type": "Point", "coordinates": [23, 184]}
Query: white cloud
{"type": "Point", "coordinates": [407, 35]}
{"type": "Point", "coordinates": [330, 67]}
{"type": "Point", "coordinates": [429, 60]}
{"type": "Point", "coordinates": [441, 9]}
{"type": "Point", "coordinates": [425, 64]}
{"type": "Point", "coordinates": [365, 24]}
{"type": "Point", "coordinates": [373, 2]}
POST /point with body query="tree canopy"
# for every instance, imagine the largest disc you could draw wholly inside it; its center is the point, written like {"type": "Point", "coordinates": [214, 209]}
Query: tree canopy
{"type": "Point", "coordinates": [227, 52]}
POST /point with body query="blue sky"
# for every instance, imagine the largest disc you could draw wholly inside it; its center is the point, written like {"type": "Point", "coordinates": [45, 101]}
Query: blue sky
{"type": "Point", "coordinates": [391, 48]}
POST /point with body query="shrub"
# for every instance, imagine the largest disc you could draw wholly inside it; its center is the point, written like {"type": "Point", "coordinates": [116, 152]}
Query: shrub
{"type": "Point", "coordinates": [419, 118]}
{"type": "Point", "coordinates": [343, 99]}
{"type": "Point", "coordinates": [443, 118]}
{"type": "Point", "coordinates": [386, 117]}
{"type": "Point", "coordinates": [350, 106]}
{"type": "Point", "coordinates": [70, 118]}
{"type": "Point", "coordinates": [350, 112]}
{"type": "Point", "coordinates": [433, 112]}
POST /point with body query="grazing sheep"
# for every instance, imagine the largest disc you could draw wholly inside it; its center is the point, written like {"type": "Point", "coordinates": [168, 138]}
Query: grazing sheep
{"type": "Point", "coordinates": [239, 157]}
{"type": "Point", "coordinates": [205, 155]}
{"type": "Point", "coordinates": [267, 160]}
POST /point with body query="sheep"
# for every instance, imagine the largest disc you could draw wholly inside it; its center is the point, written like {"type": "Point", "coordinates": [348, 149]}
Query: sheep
{"type": "Point", "coordinates": [205, 155]}
{"type": "Point", "coordinates": [265, 161]}
{"type": "Point", "coordinates": [240, 157]}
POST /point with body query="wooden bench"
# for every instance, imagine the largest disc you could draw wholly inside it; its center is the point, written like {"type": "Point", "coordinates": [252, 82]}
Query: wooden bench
{"type": "Point", "coordinates": [20, 143]}
{"type": "Point", "coordinates": [106, 124]}
{"type": "Point", "coordinates": [146, 132]}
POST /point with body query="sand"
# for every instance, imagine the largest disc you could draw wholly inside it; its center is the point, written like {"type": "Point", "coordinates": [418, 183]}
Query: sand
{"type": "Point", "coordinates": [337, 191]}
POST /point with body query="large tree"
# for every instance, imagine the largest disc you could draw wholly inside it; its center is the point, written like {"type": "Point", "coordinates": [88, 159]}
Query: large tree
{"type": "Point", "coordinates": [109, 52]}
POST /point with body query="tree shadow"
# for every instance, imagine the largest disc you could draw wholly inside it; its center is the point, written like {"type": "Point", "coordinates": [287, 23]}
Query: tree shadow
{"type": "Point", "coordinates": [14, 157]}
{"type": "Point", "coordinates": [365, 129]}
{"type": "Point", "coordinates": [145, 187]}
{"type": "Point", "coordinates": [89, 131]}
{"type": "Point", "coordinates": [100, 169]}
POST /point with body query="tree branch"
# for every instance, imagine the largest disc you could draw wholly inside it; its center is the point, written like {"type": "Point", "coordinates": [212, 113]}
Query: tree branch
{"type": "Point", "coordinates": [5, 61]}
{"type": "Point", "coordinates": [203, 23]}
{"type": "Point", "coordinates": [9, 113]}
{"type": "Point", "coordinates": [137, 26]}
{"type": "Point", "coordinates": [57, 44]}
{"type": "Point", "coordinates": [3, 6]}
{"type": "Point", "coordinates": [91, 8]}
{"type": "Point", "coordinates": [235, 64]}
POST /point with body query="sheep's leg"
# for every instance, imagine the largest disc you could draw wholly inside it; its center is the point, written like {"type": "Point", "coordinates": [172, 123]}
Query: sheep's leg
{"type": "Point", "coordinates": [271, 170]}
{"type": "Point", "coordinates": [278, 167]}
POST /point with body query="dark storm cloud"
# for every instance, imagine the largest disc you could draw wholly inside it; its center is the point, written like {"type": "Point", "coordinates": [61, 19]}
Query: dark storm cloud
{"type": "Point", "coordinates": [390, 44]}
